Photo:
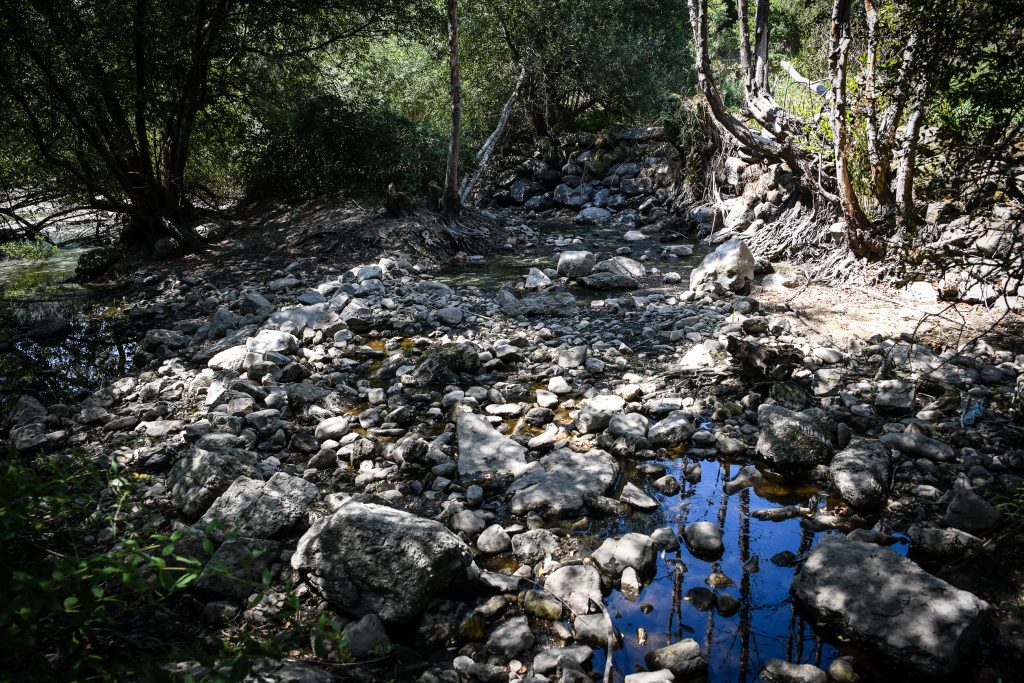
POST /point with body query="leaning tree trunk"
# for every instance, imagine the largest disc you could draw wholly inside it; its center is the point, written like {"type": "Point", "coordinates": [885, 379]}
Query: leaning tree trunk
{"type": "Point", "coordinates": [484, 155]}
{"type": "Point", "coordinates": [862, 242]}
{"type": "Point", "coordinates": [451, 205]}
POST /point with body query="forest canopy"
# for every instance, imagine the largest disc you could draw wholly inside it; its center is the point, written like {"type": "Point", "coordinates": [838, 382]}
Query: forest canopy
{"type": "Point", "coordinates": [162, 110]}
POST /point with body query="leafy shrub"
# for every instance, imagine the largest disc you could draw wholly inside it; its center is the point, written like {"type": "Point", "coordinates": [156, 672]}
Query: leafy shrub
{"type": "Point", "coordinates": [327, 145]}
{"type": "Point", "coordinates": [63, 599]}
{"type": "Point", "coordinates": [28, 250]}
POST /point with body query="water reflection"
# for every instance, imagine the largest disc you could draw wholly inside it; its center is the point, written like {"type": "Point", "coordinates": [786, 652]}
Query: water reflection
{"type": "Point", "coordinates": [94, 346]}
{"type": "Point", "coordinates": [765, 626]}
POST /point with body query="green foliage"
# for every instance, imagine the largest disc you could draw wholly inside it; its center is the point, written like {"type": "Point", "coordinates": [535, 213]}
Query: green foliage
{"type": "Point", "coordinates": [328, 145]}
{"type": "Point", "coordinates": [35, 250]}
{"type": "Point", "coordinates": [62, 599]}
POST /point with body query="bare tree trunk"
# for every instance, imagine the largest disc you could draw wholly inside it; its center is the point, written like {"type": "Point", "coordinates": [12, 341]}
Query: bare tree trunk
{"type": "Point", "coordinates": [450, 202]}
{"type": "Point", "coordinates": [484, 155]}
{"type": "Point", "coordinates": [772, 115]}
{"type": "Point", "coordinates": [743, 12]}
{"type": "Point", "coordinates": [858, 228]}
{"type": "Point", "coordinates": [907, 159]}
{"type": "Point", "coordinates": [879, 171]}
{"type": "Point", "coordinates": [761, 47]}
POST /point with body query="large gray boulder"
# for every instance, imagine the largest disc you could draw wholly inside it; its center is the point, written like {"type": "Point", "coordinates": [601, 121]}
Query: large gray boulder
{"type": "Point", "coordinates": [444, 365]}
{"type": "Point", "coordinates": [577, 585]}
{"type": "Point", "coordinates": [731, 265]}
{"type": "Point", "coordinates": [485, 455]}
{"type": "Point", "coordinates": [562, 482]}
{"type": "Point", "coordinates": [262, 509]}
{"type": "Point", "coordinates": [861, 474]}
{"type": "Point", "coordinates": [371, 559]}
{"type": "Point", "coordinates": [886, 603]}
{"type": "Point", "coordinates": [199, 476]}
{"type": "Point", "coordinates": [787, 437]}
{"type": "Point", "coordinates": [576, 264]}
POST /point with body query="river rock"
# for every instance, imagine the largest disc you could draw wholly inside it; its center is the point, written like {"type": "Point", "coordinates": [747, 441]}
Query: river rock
{"type": "Point", "coordinates": [970, 512]}
{"type": "Point", "coordinates": [895, 397]}
{"type": "Point", "coordinates": [704, 539]}
{"type": "Point", "coordinates": [443, 365]}
{"type": "Point", "coordinates": [531, 547]}
{"type": "Point", "coordinates": [791, 438]}
{"type": "Point", "coordinates": [562, 482]}
{"type": "Point", "coordinates": [493, 540]}
{"type": "Point", "coordinates": [597, 412]}
{"type": "Point", "coordinates": [485, 455]}
{"type": "Point", "coordinates": [559, 304]}
{"type": "Point", "coordinates": [371, 559]}
{"type": "Point", "coordinates": [272, 341]}
{"type": "Point", "coordinates": [886, 603]}
{"type": "Point", "coordinates": [860, 474]}
{"type": "Point", "coordinates": [781, 671]}
{"type": "Point", "coordinates": [606, 280]}
{"type": "Point", "coordinates": [635, 497]}
{"type": "Point", "coordinates": [632, 550]}
{"type": "Point", "coordinates": [366, 637]}
{"type": "Point", "coordinates": [684, 659]}
{"type": "Point", "coordinates": [199, 477]}
{"type": "Point", "coordinates": [512, 637]}
{"type": "Point", "coordinates": [262, 509]}
{"type": "Point", "coordinates": [941, 542]}
{"type": "Point", "coordinates": [919, 446]}
{"type": "Point", "coordinates": [671, 431]}
{"type": "Point", "coordinates": [576, 264]}
{"type": "Point", "coordinates": [577, 585]}
{"type": "Point", "coordinates": [731, 265]}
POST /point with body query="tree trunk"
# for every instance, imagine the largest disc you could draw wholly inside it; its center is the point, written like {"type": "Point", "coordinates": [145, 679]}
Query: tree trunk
{"type": "Point", "coordinates": [450, 203]}
{"type": "Point", "coordinates": [858, 228]}
{"type": "Point", "coordinates": [761, 47]}
{"type": "Point", "coordinates": [907, 159]}
{"type": "Point", "coordinates": [743, 12]}
{"type": "Point", "coordinates": [879, 170]}
{"type": "Point", "coordinates": [773, 149]}
{"type": "Point", "coordinates": [484, 155]}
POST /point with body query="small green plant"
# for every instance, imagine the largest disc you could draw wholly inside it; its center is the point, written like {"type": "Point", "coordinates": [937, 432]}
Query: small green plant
{"type": "Point", "coordinates": [65, 598]}
{"type": "Point", "coordinates": [29, 250]}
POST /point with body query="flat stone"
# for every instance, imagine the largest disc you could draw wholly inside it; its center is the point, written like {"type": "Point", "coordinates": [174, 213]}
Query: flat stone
{"type": "Point", "coordinates": [635, 497]}
{"type": "Point", "coordinates": [486, 456]}
{"type": "Point", "coordinates": [262, 509]}
{"type": "Point", "coordinates": [561, 482]}
{"type": "Point", "coordinates": [781, 671]}
{"type": "Point", "coordinates": [887, 604]}
{"type": "Point", "coordinates": [970, 512]}
{"type": "Point", "coordinates": [576, 585]}
{"type": "Point", "coordinates": [919, 446]}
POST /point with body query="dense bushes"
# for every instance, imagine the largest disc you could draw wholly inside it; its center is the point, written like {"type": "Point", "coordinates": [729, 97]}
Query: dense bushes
{"type": "Point", "coordinates": [327, 145]}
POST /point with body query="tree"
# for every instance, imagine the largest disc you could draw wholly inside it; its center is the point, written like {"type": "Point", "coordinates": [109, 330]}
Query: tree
{"type": "Point", "coordinates": [110, 94]}
{"type": "Point", "coordinates": [451, 204]}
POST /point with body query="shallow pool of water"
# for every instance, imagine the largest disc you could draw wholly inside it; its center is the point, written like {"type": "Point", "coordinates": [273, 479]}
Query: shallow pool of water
{"type": "Point", "coordinates": [501, 268]}
{"type": "Point", "coordinates": [94, 344]}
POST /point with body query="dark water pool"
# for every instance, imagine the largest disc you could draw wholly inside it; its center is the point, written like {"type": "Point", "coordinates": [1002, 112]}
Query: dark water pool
{"type": "Point", "coordinates": [91, 345]}
{"type": "Point", "coordinates": [766, 625]}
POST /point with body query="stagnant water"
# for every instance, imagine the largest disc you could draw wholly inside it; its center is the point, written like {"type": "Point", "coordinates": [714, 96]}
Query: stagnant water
{"type": "Point", "coordinates": [92, 346]}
